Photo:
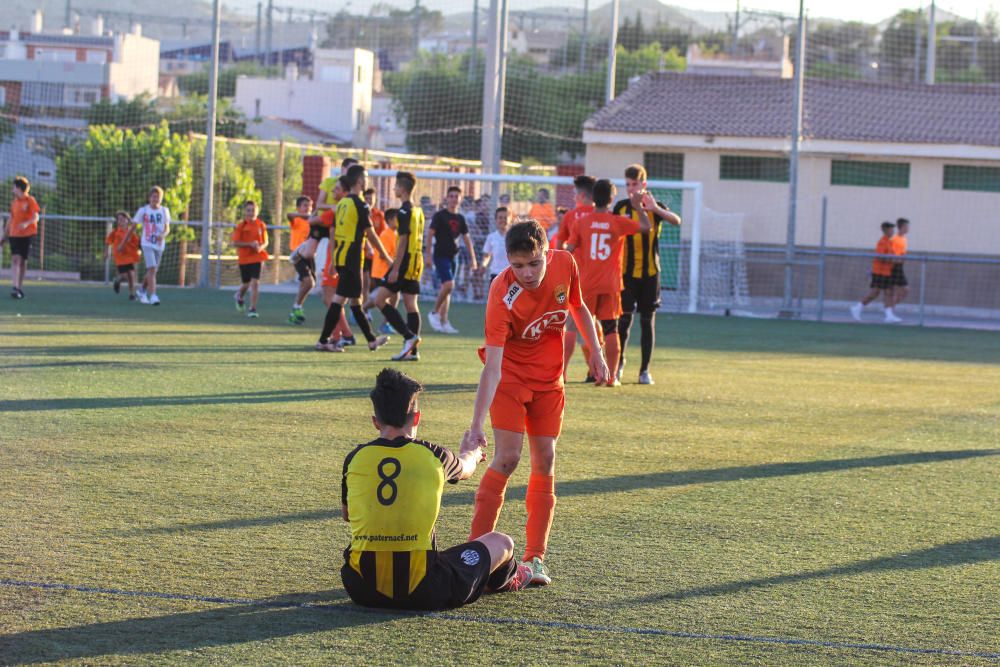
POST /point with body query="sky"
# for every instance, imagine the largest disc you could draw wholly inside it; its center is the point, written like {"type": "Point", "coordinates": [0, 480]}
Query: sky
{"type": "Point", "coordinates": [870, 11]}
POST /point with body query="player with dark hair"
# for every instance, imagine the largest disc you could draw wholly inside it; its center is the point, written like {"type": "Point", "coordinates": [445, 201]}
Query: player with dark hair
{"type": "Point", "coordinates": [521, 385]}
{"type": "Point", "coordinates": [352, 228]}
{"type": "Point", "coordinates": [21, 228]}
{"type": "Point", "coordinates": [641, 269]}
{"type": "Point", "coordinates": [600, 237]}
{"type": "Point", "coordinates": [250, 239]}
{"type": "Point", "coordinates": [447, 226]}
{"type": "Point", "coordinates": [305, 268]}
{"type": "Point", "coordinates": [583, 189]}
{"type": "Point", "coordinates": [326, 201]}
{"type": "Point", "coordinates": [391, 494]}
{"type": "Point", "coordinates": [881, 281]}
{"type": "Point", "coordinates": [900, 286]}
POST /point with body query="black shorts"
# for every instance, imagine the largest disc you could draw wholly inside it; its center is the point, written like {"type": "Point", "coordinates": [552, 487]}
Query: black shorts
{"type": "Point", "coordinates": [306, 268]}
{"type": "Point", "coordinates": [319, 232]}
{"type": "Point", "coordinates": [404, 285]}
{"type": "Point", "coordinates": [249, 272]}
{"type": "Point", "coordinates": [898, 278]}
{"type": "Point", "coordinates": [881, 282]}
{"type": "Point", "coordinates": [642, 294]}
{"type": "Point", "coordinates": [376, 283]}
{"type": "Point", "coordinates": [125, 268]}
{"type": "Point", "coordinates": [349, 283]}
{"type": "Point", "coordinates": [20, 245]}
{"type": "Point", "coordinates": [455, 577]}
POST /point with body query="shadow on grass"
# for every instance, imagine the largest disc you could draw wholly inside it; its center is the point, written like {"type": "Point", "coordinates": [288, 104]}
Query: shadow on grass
{"type": "Point", "coordinates": [943, 555]}
{"type": "Point", "coordinates": [243, 398]}
{"type": "Point", "coordinates": [620, 483]}
{"type": "Point", "coordinates": [220, 626]}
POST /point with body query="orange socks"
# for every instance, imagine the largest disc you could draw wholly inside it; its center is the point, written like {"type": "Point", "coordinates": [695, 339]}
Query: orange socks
{"type": "Point", "coordinates": [489, 501]}
{"type": "Point", "coordinates": [540, 502]}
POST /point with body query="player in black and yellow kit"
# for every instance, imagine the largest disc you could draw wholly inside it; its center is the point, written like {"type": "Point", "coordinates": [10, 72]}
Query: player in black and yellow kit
{"type": "Point", "coordinates": [391, 495]}
{"type": "Point", "coordinates": [641, 269]}
{"type": "Point", "coordinates": [353, 225]}
{"type": "Point", "coordinates": [404, 274]}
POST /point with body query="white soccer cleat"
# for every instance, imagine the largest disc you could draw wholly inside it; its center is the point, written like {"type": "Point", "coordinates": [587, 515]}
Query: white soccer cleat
{"type": "Point", "coordinates": [143, 298]}
{"type": "Point", "coordinates": [154, 300]}
{"type": "Point", "coordinates": [856, 312]}
{"type": "Point", "coordinates": [378, 342]}
{"type": "Point", "coordinates": [448, 329]}
{"type": "Point", "coordinates": [435, 321]}
{"type": "Point", "coordinates": [645, 378]}
{"type": "Point", "coordinates": [408, 346]}
{"type": "Point", "coordinates": [891, 318]}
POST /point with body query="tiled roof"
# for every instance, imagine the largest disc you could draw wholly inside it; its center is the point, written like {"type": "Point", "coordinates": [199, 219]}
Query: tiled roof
{"type": "Point", "coordinates": [735, 106]}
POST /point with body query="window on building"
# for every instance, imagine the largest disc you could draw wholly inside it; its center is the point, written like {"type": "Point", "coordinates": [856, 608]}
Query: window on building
{"type": "Point", "coordinates": [870, 174]}
{"type": "Point", "coordinates": [56, 55]}
{"type": "Point", "coordinates": [81, 97]}
{"type": "Point", "coordinates": [976, 179]}
{"type": "Point", "coordinates": [751, 168]}
{"type": "Point", "coordinates": [37, 94]}
{"type": "Point", "coordinates": [97, 57]}
{"type": "Point", "coordinates": [664, 166]}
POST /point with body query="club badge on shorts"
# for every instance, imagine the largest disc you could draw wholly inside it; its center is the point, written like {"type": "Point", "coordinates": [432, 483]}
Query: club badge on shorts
{"type": "Point", "coordinates": [470, 557]}
{"type": "Point", "coordinates": [560, 294]}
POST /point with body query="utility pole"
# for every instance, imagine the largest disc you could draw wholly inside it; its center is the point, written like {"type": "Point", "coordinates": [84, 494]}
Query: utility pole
{"type": "Point", "coordinates": [609, 92]}
{"type": "Point", "coordinates": [256, 44]}
{"type": "Point", "coordinates": [491, 78]}
{"type": "Point", "coordinates": [501, 87]}
{"type": "Point", "coordinates": [209, 186]}
{"type": "Point", "coordinates": [583, 37]}
{"type": "Point", "coordinates": [918, 23]}
{"type": "Point", "coordinates": [269, 37]}
{"type": "Point", "coordinates": [474, 54]}
{"type": "Point", "coordinates": [416, 28]}
{"type": "Point", "coordinates": [793, 163]}
{"type": "Point", "coordinates": [931, 45]}
{"type": "Point", "coordinates": [68, 19]}
{"type": "Point", "coordinates": [736, 29]}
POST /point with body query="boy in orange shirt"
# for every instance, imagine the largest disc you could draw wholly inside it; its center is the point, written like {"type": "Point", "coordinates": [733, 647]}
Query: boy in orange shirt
{"type": "Point", "coordinates": [123, 245]}
{"type": "Point", "coordinates": [542, 211]}
{"type": "Point", "coordinates": [380, 268]}
{"type": "Point", "coordinates": [306, 268]}
{"type": "Point", "coordinates": [583, 186]}
{"type": "Point", "coordinates": [900, 286]}
{"type": "Point", "coordinates": [881, 277]}
{"type": "Point", "coordinates": [250, 239]}
{"type": "Point", "coordinates": [21, 228]}
{"type": "Point", "coordinates": [521, 384]}
{"type": "Point", "coordinates": [601, 238]}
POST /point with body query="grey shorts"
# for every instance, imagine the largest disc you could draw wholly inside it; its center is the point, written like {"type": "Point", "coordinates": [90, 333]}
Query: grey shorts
{"type": "Point", "coordinates": [152, 255]}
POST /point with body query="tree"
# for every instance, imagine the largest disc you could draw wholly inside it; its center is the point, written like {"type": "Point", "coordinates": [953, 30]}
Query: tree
{"type": "Point", "coordinates": [233, 184]}
{"type": "Point", "coordinates": [191, 115]}
{"type": "Point", "coordinates": [137, 112]}
{"type": "Point", "coordinates": [113, 169]}
{"type": "Point", "coordinates": [261, 162]}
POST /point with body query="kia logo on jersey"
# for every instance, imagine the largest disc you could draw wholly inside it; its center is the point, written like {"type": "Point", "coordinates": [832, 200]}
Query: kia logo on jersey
{"type": "Point", "coordinates": [553, 319]}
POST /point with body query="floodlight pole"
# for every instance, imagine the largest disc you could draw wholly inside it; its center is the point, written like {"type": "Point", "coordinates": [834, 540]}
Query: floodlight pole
{"type": "Point", "coordinates": [208, 192]}
{"type": "Point", "coordinates": [931, 45]}
{"type": "Point", "coordinates": [609, 89]}
{"type": "Point", "coordinates": [793, 162]}
{"type": "Point", "coordinates": [502, 47]}
{"type": "Point", "coordinates": [491, 78]}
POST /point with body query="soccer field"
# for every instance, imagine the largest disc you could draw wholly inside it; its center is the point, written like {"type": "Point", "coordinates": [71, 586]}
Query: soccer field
{"type": "Point", "coordinates": [787, 493]}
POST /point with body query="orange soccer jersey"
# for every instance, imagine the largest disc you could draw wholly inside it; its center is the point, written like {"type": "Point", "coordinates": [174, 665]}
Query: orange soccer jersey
{"type": "Point", "coordinates": [380, 267]}
{"type": "Point", "coordinates": [601, 239]}
{"type": "Point", "coordinates": [529, 324]}
{"type": "Point", "coordinates": [899, 245]}
{"type": "Point", "coordinates": [569, 223]}
{"type": "Point", "coordinates": [22, 210]}
{"type": "Point", "coordinates": [251, 230]}
{"type": "Point", "coordinates": [300, 232]}
{"type": "Point", "coordinates": [543, 214]}
{"type": "Point", "coordinates": [883, 267]}
{"type": "Point", "coordinates": [130, 253]}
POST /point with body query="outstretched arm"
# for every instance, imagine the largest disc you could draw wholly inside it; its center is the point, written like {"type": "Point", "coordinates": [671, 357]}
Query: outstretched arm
{"type": "Point", "coordinates": [488, 381]}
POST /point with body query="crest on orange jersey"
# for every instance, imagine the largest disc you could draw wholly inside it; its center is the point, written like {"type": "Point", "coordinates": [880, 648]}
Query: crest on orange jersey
{"type": "Point", "coordinates": [560, 294]}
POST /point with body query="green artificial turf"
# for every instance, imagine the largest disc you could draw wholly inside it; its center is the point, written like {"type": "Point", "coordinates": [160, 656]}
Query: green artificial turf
{"type": "Point", "coordinates": [788, 480]}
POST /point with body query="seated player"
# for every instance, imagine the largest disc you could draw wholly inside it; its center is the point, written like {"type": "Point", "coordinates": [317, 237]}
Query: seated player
{"type": "Point", "coordinates": [522, 382]}
{"type": "Point", "coordinates": [601, 238]}
{"type": "Point", "coordinates": [393, 560]}
{"type": "Point", "coordinates": [123, 244]}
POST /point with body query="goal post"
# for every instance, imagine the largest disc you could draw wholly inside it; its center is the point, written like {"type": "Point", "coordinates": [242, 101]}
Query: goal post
{"type": "Point", "coordinates": [520, 192]}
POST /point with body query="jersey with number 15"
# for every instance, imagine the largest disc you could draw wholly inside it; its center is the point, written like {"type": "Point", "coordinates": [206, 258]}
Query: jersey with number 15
{"type": "Point", "coordinates": [599, 239]}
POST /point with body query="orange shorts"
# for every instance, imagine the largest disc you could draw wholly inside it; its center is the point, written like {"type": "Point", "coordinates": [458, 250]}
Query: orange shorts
{"type": "Point", "coordinates": [330, 281]}
{"type": "Point", "coordinates": [517, 408]}
{"type": "Point", "coordinates": [604, 306]}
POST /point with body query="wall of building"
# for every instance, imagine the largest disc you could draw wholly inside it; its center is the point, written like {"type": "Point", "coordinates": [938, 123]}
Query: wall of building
{"type": "Point", "coordinates": [944, 221]}
{"type": "Point", "coordinates": [136, 68]}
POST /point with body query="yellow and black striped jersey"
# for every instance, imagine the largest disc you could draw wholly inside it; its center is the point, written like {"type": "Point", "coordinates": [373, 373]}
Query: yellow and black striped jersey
{"type": "Point", "coordinates": [410, 223]}
{"type": "Point", "coordinates": [349, 232]}
{"type": "Point", "coordinates": [642, 251]}
{"type": "Point", "coordinates": [392, 490]}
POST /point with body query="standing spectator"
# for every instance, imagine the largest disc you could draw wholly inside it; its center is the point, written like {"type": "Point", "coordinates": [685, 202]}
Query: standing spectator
{"type": "Point", "coordinates": [494, 249]}
{"type": "Point", "coordinates": [250, 239]}
{"type": "Point", "coordinates": [21, 228]}
{"type": "Point", "coordinates": [155, 221]}
{"type": "Point", "coordinates": [881, 277]}
{"type": "Point", "coordinates": [900, 287]}
{"type": "Point", "coordinates": [123, 245]}
{"type": "Point", "coordinates": [542, 210]}
{"type": "Point", "coordinates": [447, 226]}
